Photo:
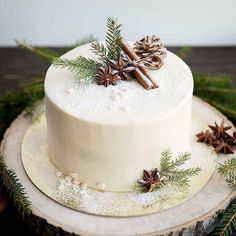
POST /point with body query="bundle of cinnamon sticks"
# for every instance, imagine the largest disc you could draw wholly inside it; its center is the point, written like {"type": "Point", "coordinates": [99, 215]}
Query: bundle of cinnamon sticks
{"type": "Point", "coordinates": [141, 73]}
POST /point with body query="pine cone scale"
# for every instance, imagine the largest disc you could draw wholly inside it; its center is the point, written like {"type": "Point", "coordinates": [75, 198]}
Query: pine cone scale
{"type": "Point", "coordinates": [151, 51]}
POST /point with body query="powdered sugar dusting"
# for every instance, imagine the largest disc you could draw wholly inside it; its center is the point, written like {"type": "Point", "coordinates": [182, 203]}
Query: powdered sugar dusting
{"type": "Point", "coordinates": [78, 195]}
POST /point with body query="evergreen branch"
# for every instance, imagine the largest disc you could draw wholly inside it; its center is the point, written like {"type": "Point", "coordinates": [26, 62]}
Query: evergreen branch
{"type": "Point", "coordinates": [85, 68]}
{"type": "Point", "coordinates": [180, 160]}
{"type": "Point", "coordinates": [100, 50]}
{"type": "Point", "coordinates": [171, 172]}
{"type": "Point", "coordinates": [180, 178]}
{"type": "Point", "coordinates": [170, 165]}
{"type": "Point", "coordinates": [44, 53]}
{"type": "Point", "coordinates": [113, 37]}
{"type": "Point", "coordinates": [14, 188]}
{"type": "Point", "coordinates": [13, 103]}
{"type": "Point", "coordinates": [228, 171]}
{"type": "Point", "coordinates": [165, 159]}
{"type": "Point", "coordinates": [228, 222]}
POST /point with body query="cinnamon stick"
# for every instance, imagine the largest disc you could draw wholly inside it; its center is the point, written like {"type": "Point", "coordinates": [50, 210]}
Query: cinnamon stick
{"type": "Point", "coordinates": [142, 79]}
{"type": "Point", "coordinates": [133, 56]}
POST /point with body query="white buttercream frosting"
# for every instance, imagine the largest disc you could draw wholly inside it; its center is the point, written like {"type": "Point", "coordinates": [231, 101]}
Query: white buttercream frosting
{"type": "Point", "coordinates": [109, 135]}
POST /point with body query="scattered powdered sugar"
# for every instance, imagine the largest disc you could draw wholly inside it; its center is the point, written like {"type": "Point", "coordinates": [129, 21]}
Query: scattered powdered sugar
{"type": "Point", "coordinates": [70, 90]}
{"type": "Point", "coordinates": [101, 186]}
{"type": "Point", "coordinates": [72, 193]}
{"type": "Point", "coordinates": [59, 174]}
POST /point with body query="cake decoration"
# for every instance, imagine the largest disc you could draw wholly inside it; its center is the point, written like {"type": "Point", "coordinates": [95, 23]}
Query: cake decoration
{"type": "Point", "coordinates": [222, 146]}
{"type": "Point", "coordinates": [151, 50]}
{"type": "Point", "coordinates": [170, 173]}
{"type": "Point", "coordinates": [123, 69]}
{"type": "Point", "coordinates": [150, 180]}
{"type": "Point", "coordinates": [106, 76]}
{"type": "Point", "coordinates": [219, 138]}
{"type": "Point", "coordinates": [220, 130]}
{"type": "Point", "coordinates": [117, 60]}
{"type": "Point", "coordinates": [206, 137]}
{"type": "Point", "coordinates": [232, 139]}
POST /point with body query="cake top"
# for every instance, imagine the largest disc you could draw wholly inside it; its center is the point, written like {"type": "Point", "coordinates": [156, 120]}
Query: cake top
{"type": "Point", "coordinates": [127, 102]}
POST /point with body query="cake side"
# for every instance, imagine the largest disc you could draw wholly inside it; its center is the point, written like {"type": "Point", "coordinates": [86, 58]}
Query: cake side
{"type": "Point", "coordinates": [109, 135]}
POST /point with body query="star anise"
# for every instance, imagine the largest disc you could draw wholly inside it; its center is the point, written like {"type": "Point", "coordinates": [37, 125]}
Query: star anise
{"type": "Point", "coordinates": [220, 130]}
{"type": "Point", "coordinates": [122, 68]}
{"type": "Point", "coordinates": [206, 137]}
{"type": "Point", "coordinates": [232, 139]}
{"type": "Point", "coordinates": [106, 76]}
{"type": "Point", "coordinates": [222, 146]}
{"type": "Point", "coordinates": [150, 179]}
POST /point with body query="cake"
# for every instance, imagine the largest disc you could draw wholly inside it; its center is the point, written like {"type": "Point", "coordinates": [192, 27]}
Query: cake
{"type": "Point", "coordinates": [109, 135]}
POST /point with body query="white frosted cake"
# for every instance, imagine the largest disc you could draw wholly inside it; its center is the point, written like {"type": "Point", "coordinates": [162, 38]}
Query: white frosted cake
{"type": "Point", "coordinates": [109, 135]}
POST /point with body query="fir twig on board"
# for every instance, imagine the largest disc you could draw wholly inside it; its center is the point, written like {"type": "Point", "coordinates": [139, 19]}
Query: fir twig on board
{"type": "Point", "coordinates": [227, 225]}
{"type": "Point", "coordinates": [15, 190]}
{"type": "Point", "coordinates": [228, 171]}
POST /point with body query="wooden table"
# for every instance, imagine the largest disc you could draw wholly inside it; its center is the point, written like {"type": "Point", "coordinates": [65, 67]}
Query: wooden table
{"type": "Point", "coordinates": [17, 66]}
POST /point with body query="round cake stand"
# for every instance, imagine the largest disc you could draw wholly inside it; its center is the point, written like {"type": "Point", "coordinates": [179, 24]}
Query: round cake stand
{"type": "Point", "coordinates": [196, 216]}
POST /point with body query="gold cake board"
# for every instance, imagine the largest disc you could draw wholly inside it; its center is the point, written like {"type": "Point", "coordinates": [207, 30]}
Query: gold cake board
{"type": "Point", "coordinates": [182, 213]}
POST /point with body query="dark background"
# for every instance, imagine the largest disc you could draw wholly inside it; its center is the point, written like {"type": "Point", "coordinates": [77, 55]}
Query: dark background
{"type": "Point", "coordinates": [17, 66]}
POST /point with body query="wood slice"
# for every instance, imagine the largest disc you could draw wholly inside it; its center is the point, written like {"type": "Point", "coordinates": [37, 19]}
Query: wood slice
{"type": "Point", "coordinates": [196, 216]}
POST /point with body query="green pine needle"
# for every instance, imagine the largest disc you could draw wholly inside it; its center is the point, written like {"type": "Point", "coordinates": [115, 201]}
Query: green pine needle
{"type": "Point", "coordinates": [171, 171]}
{"type": "Point", "coordinates": [100, 50]}
{"type": "Point", "coordinates": [85, 68]}
{"type": "Point", "coordinates": [228, 171]}
{"type": "Point", "coordinates": [14, 188]}
{"type": "Point", "coordinates": [113, 37]}
{"type": "Point", "coordinates": [227, 225]}
{"type": "Point", "coordinates": [110, 51]}
{"type": "Point", "coordinates": [13, 103]}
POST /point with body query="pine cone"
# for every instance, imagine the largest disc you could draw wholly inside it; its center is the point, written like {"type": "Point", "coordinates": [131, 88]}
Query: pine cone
{"type": "Point", "coordinates": [151, 51]}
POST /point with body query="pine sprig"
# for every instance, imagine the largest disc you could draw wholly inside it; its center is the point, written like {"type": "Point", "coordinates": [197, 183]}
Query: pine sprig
{"type": "Point", "coordinates": [85, 68]}
{"type": "Point", "coordinates": [228, 222]}
{"type": "Point", "coordinates": [171, 171]}
{"type": "Point", "coordinates": [113, 37]}
{"type": "Point", "coordinates": [228, 171]}
{"type": "Point", "coordinates": [100, 49]}
{"type": "Point", "coordinates": [15, 190]}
